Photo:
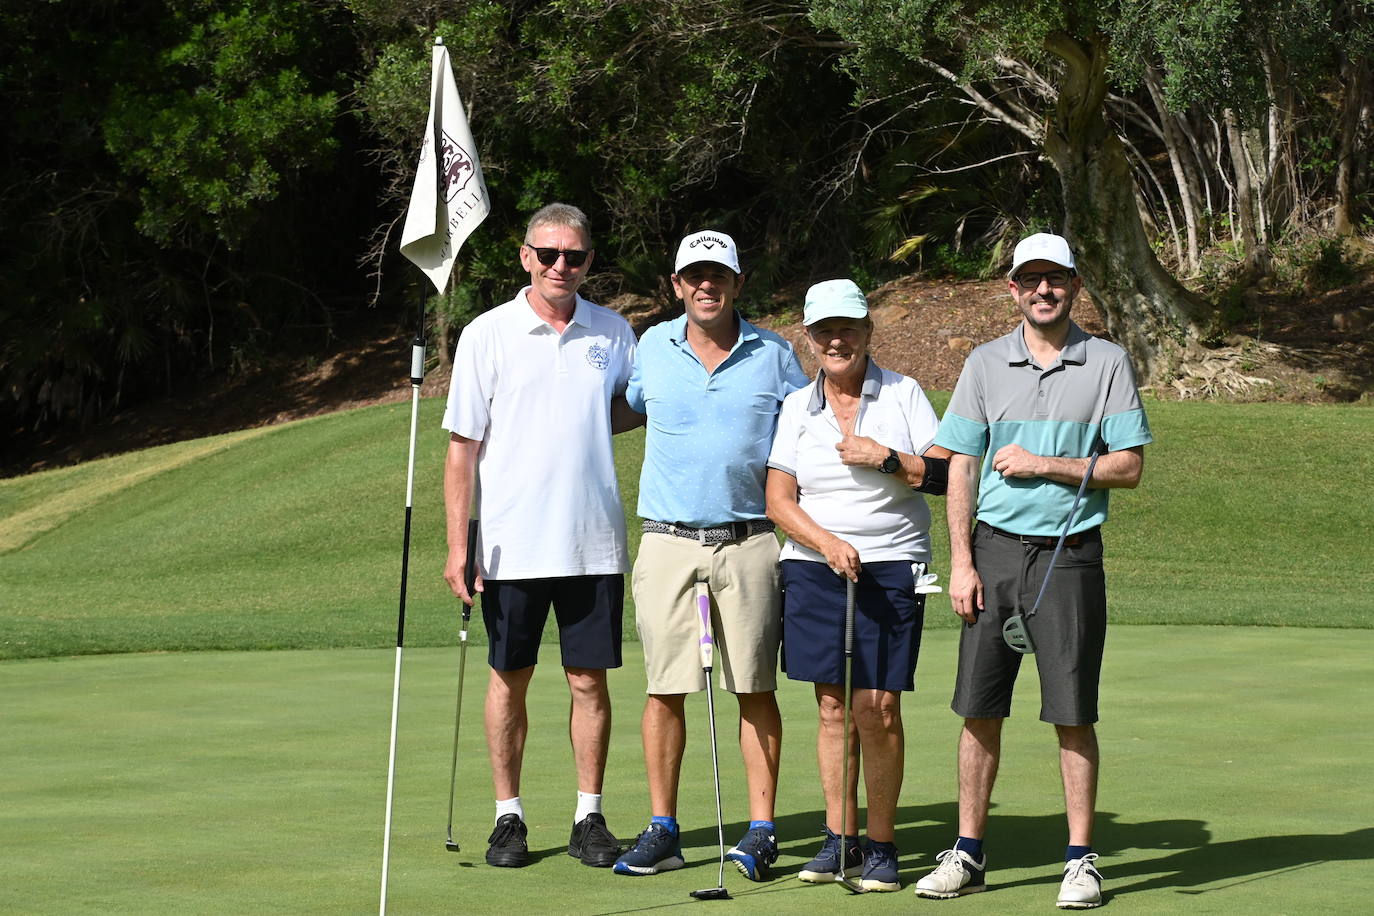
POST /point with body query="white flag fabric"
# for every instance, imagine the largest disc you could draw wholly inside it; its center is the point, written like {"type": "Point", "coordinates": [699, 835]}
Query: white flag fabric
{"type": "Point", "coordinates": [450, 198]}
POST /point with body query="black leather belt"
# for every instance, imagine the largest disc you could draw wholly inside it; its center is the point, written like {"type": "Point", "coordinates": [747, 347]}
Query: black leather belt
{"type": "Point", "coordinates": [1036, 540]}
{"type": "Point", "coordinates": [713, 534]}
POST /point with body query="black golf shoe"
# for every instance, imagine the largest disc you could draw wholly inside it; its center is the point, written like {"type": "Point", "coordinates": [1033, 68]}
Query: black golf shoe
{"type": "Point", "coordinates": [592, 843]}
{"type": "Point", "coordinates": [508, 848]}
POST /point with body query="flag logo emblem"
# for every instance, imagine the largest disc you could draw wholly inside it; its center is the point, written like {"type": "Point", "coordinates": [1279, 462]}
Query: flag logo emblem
{"type": "Point", "coordinates": [457, 169]}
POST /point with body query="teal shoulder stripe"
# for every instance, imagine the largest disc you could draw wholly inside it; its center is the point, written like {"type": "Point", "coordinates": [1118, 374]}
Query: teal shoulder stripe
{"type": "Point", "coordinates": [962, 435]}
{"type": "Point", "coordinates": [1126, 429]}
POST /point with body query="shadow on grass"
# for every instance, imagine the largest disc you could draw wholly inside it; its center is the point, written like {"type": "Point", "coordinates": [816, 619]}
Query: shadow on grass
{"type": "Point", "coordinates": [1192, 864]}
{"type": "Point", "coordinates": [1217, 866]}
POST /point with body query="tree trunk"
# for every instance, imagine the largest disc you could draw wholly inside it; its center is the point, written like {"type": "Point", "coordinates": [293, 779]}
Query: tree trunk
{"type": "Point", "coordinates": [1256, 260]}
{"type": "Point", "coordinates": [1175, 144]}
{"type": "Point", "coordinates": [1280, 193]}
{"type": "Point", "coordinates": [1146, 309]}
{"type": "Point", "coordinates": [1350, 154]}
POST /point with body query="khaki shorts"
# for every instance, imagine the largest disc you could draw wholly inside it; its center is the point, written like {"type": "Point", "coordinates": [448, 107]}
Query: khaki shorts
{"type": "Point", "coordinates": [746, 612]}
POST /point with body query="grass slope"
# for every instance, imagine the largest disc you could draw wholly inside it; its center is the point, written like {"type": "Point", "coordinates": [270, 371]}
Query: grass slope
{"type": "Point", "coordinates": [290, 537]}
{"type": "Point", "coordinates": [254, 782]}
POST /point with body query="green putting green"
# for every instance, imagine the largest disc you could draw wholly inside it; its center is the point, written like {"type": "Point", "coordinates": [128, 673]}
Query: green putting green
{"type": "Point", "coordinates": [1235, 779]}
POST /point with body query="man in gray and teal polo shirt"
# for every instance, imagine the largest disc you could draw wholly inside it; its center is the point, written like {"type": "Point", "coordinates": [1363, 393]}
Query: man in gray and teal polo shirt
{"type": "Point", "coordinates": [711, 385]}
{"type": "Point", "coordinates": [1024, 419]}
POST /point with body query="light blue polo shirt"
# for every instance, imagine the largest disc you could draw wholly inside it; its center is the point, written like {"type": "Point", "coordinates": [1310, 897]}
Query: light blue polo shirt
{"type": "Point", "coordinates": [706, 448]}
{"type": "Point", "coordinates": [1003, 397]}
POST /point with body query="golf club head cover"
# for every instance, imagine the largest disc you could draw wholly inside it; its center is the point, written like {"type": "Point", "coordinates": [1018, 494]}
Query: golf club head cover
{"type": "Point", "coordinates": [1017, 635]}
{"type": "Point", "coordinates": [936, 479]}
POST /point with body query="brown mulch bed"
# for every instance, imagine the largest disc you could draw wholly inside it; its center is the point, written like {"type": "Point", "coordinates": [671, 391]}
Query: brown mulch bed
{"type": "Point", "coordinates": [1306, 348]}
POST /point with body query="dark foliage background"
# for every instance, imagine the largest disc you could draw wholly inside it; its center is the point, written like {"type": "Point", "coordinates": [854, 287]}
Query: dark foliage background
{"type": "Point", "coordinates": [190, 187]}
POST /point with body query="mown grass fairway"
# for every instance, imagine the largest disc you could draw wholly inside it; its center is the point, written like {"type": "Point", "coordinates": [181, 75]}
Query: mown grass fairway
{"type": "Point", "coordinates": [1235, 757]}
{"type": "Point", "coordinates": [254, 782]}
{"type": "Point", "coordinates": [290, 538]}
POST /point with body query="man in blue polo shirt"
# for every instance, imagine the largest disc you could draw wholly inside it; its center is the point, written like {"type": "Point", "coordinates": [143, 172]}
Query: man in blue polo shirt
{"type": "Point", "coordinates": [1029, 410]}
{"type": "Point", "coordinates": [711, 384]}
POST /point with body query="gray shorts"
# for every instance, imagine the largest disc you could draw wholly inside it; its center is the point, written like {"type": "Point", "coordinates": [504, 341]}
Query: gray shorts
{"type": "Point", "coordinates": [1069, 629]}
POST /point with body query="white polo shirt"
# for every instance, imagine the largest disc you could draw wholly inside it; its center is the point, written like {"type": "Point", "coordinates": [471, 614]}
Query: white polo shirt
{"type": "Point", "coordinates": [882, 517]}
{"type": "Point", "coordinates": [539, 402]}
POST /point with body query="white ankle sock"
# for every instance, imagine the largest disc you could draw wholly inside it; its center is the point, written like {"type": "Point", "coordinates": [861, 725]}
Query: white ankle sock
{"type": "Point", "coordinates": [509, 806]}
{"type": "Point", "coordinates": [587, 803]}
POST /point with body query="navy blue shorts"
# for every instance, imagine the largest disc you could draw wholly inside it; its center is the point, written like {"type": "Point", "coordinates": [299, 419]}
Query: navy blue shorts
{"type": "Point", "coordinates": [588, 610]}
{"type": "Point", "coordinates": [887, 624]}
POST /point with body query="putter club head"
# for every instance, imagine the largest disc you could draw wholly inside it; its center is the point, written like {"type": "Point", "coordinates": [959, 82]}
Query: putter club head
{"type": "Point", "coordinates": [452, 846]}
{"type": "Point", "coordinates": [1017, 637]}
{"type": "Point", "coordinates": [711, 893]}
{"type": "Point", "coordinates": [850, 884]}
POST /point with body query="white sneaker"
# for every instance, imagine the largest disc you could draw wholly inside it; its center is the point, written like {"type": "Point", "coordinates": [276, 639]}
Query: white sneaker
{"type": "Point", "coordinates": [957, 874]}
{"type": "Point", "coordinates": [1082, 885]}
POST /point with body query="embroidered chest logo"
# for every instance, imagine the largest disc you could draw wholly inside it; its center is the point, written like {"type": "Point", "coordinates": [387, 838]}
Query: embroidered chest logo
{"type": "Point", "coordinates": [598, 356]}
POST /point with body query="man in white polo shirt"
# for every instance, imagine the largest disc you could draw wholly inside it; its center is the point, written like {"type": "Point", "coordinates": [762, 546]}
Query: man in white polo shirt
{"type": "Point", "coordinates": [536, 384]}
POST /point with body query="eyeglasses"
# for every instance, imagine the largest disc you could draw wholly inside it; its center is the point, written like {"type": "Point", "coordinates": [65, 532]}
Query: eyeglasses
{"type": "Point", "coordinates": [549, 256]}
{"type": "Point", "coordinates": [1053, 277]}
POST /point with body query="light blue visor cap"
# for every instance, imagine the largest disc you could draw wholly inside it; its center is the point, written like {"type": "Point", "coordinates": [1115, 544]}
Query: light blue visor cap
{"type": "Point", "coordinates": [834, 299]}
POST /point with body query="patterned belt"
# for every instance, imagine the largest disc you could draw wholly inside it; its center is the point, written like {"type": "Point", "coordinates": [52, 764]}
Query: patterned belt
{"type": "Point", "coordinates": [714, 534]}
{"type": "Point", "coordinates": [1072, 540]}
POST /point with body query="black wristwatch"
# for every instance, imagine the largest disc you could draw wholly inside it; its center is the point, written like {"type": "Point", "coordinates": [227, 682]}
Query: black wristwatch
{"type": "Point", "coordinates": [891, 464]}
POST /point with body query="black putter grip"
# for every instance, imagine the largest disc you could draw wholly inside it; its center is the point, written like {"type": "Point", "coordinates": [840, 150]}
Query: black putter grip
{"type": "Point", "coordinates": [470, 566]}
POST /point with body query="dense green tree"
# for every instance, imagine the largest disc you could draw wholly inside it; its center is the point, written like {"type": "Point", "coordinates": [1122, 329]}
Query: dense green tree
{"type": "Point", "coordinates": [1058, 75]}
{"type": "Point", "coordinates": [163, 184]}
{"type": "Point", "coordinates": [188, 184]}
{"type": "Point", "coordinates": [653, 116]}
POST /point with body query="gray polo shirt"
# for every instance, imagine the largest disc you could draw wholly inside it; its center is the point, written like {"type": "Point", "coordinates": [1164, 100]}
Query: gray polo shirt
{"type": "Point", "coordinates": [1003, 397]}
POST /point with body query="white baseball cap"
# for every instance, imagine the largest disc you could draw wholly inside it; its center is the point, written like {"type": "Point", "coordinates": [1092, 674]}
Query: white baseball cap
{"type": "Point", "coordinates": [1041, 247]}
{"type": "Point", "coordinates": [834, 299]}
{"type": "Point", "coordinates": [708, 245]}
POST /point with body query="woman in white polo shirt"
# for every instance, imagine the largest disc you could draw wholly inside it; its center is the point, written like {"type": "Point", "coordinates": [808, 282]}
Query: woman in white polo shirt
{"type": "Point", "coordinates": [850, 459]}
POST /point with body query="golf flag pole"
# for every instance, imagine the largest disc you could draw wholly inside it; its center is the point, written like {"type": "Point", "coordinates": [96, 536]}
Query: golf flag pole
{"type": "Point", "coordinates": [448, 201]}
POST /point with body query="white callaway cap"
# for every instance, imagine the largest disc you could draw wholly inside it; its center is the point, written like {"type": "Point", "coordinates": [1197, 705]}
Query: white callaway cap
{"type": "Point", "coordinates": [1041, 247]}
{"type": "Point", "coordinates": [834, 299]}
{"type": "Point", "coordinates": [709, 245]}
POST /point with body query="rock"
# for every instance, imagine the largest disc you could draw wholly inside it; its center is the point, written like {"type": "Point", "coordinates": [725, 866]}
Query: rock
{"type": "Point", "coordinates": [888, 314]}
{"type": "Point", "coordinates": [960, 344]}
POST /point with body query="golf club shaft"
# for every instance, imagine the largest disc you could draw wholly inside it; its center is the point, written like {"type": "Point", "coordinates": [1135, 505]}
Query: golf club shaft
{"type": "Point", "coordinates": [715, 771]}
{"type": "Point", "coordinates": [1068, 523]}
{"type": "Point", "coordinates": [849, 596]}
{"type": "Point", "coordinates": [470, 581]}
{"type": "Point", "coordinates": [706, 646]}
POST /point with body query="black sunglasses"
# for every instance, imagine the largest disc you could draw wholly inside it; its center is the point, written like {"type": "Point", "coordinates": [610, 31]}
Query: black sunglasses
{"type": "Point", "coordinates": [549, 256]}
{"type": "Point", "coordinates": [1030, 281]}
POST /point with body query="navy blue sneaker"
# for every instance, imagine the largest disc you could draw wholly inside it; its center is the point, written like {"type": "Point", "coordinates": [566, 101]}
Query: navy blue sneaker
{"type": "Point", "coordinates": [657, 849]}
{"type": "Point", "coordinates": [825, 867]}
{"type": "Point", "coordinates": [755, 851]}
{"type": "Point", "coordinates": [880, 868]}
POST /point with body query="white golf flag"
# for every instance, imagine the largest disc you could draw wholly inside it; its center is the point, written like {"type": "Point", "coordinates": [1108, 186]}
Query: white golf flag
{"type": "Point", "coordinates": [450, 198]}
